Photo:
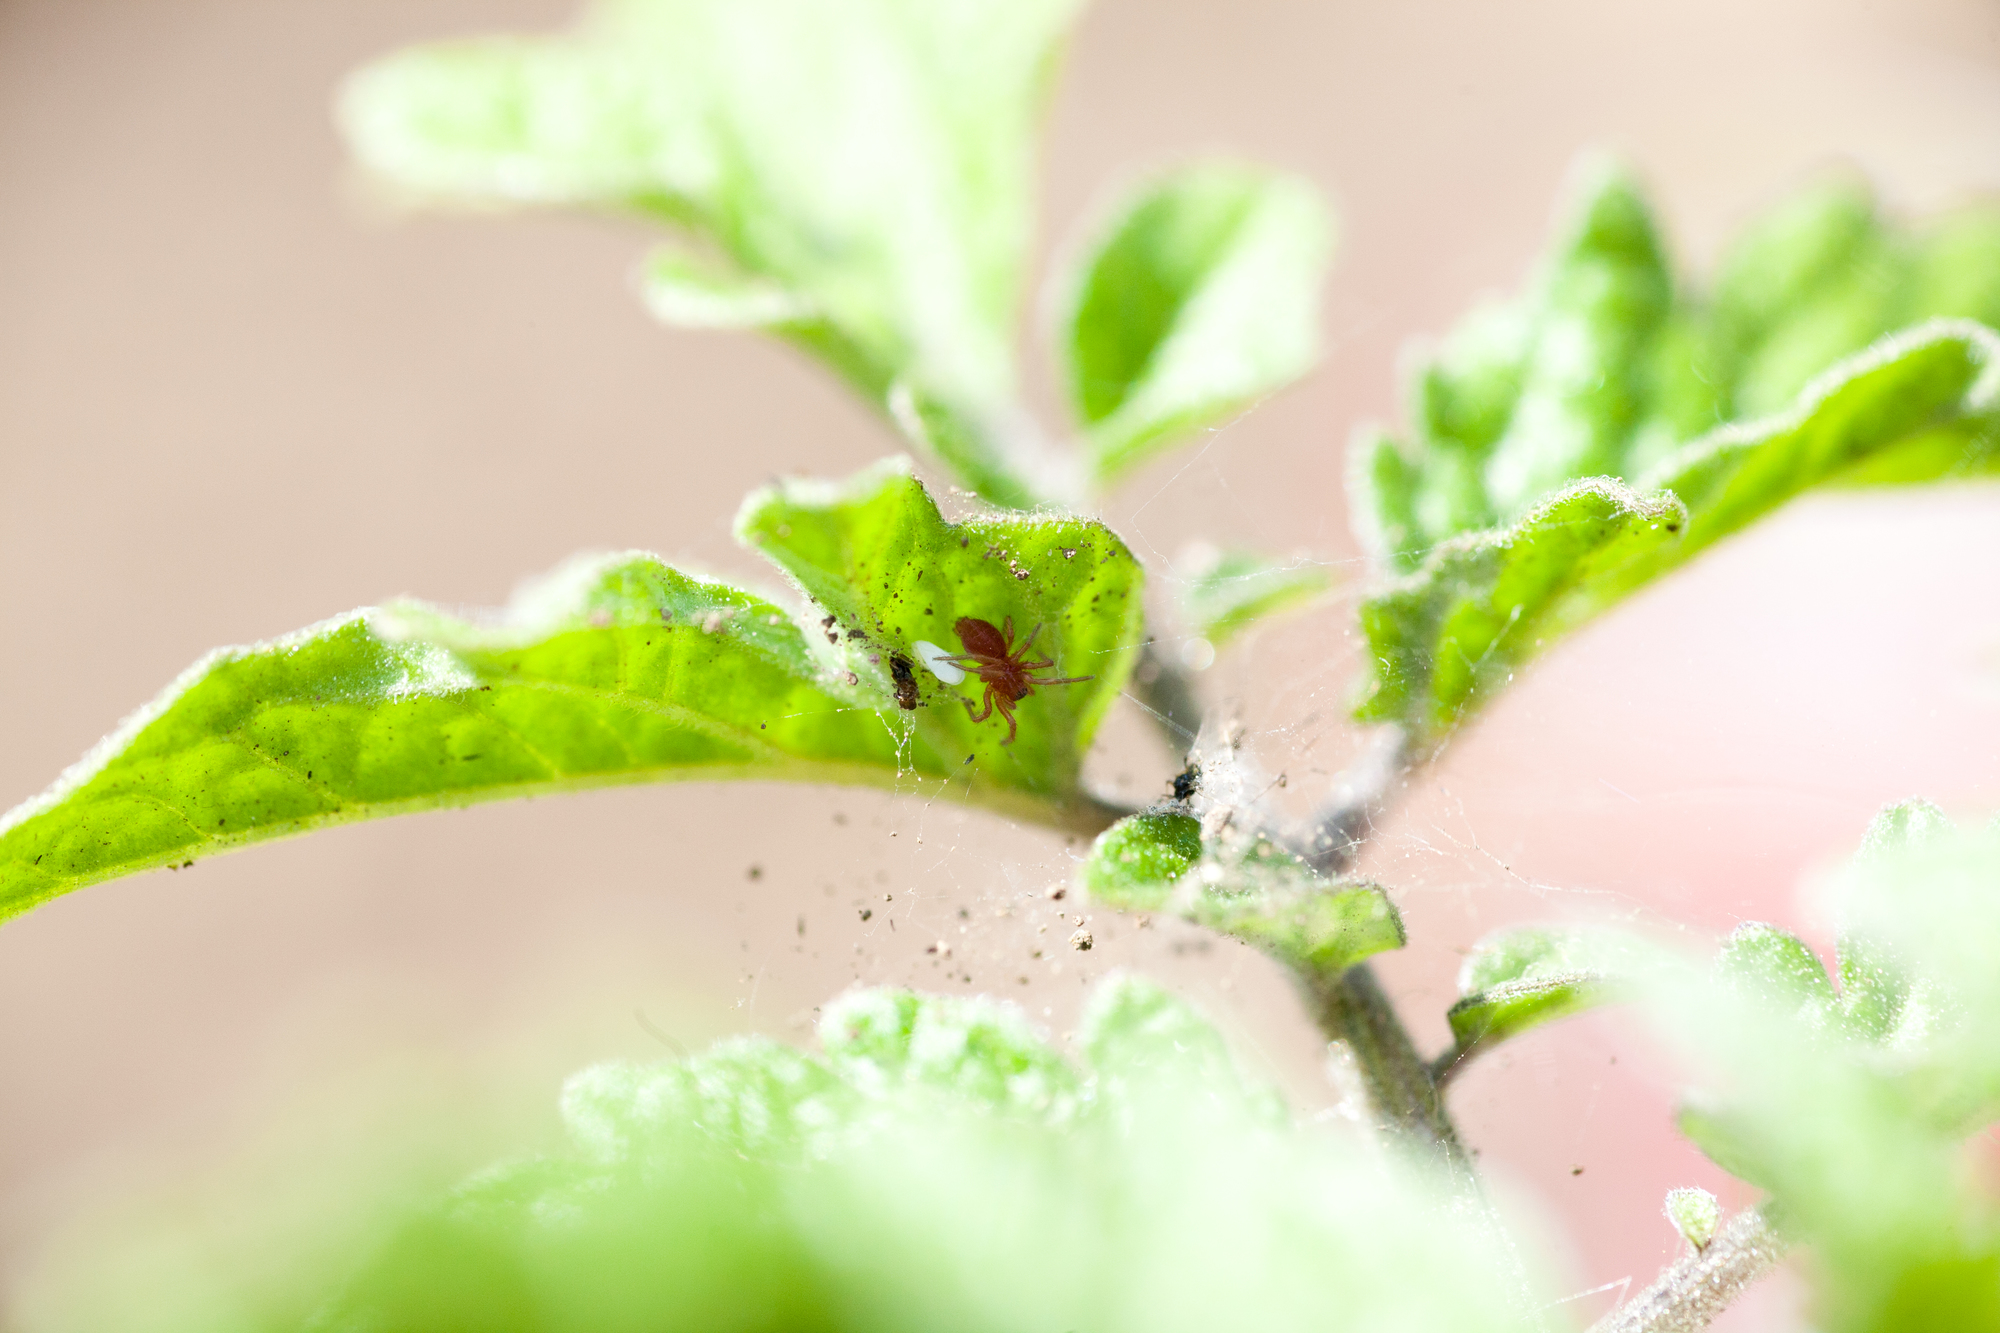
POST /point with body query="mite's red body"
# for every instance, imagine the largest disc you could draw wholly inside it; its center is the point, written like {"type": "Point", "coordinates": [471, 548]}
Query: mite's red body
{"type": "Point", "coordinates": [1005, 670]}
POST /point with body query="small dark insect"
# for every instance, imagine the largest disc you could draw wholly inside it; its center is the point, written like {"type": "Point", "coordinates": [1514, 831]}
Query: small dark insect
{"type": "Point", "coordinates": [1009, 677]}
{"type": "Point", "coordinates": [906, 681]}
{"type": "Point", "coordinates": [1187, 782]}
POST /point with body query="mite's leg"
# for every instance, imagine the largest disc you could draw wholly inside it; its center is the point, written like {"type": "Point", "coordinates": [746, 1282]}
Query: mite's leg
{"type": "Point", "coordinates": [979, 717]}
{"type": "Point", "coordinates": [1030, 640]}
{"type": "Point", "coordinates": [1006, 711]}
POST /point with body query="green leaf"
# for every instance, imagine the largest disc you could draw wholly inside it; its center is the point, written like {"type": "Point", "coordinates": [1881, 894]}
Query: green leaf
{"type": "Point", "coordinates": [1199, 295]}
{"type": "Point", "coordinates": [681, 289]}
{"type": "Point", "coordinates": [1133, 864]}
{"type": "Point", "coordinates": [1245, 887]}
{"type": "Point", "coordinates": [1603, 299]}
{"type": "Point", "coordinates": [618, 669]}
{"type": "Point", "coordinates": [1812, 281]}
{"type": "Point", "coordinates": [1223, 593]}
{"type": "Point", "coordinates": [1903, 826]}
{"type": "Point", "coordinates": [876, 554]}
{"type": "Point", "coordinates": [1606, 365]}
{"type": "Point", "coordinates": [1852, 1111]}
{"type": "Point", "coordinates": [1920, 406]}
{"type": "Point", "coordinates": [1779, 967]}
{"type": "Point", "coordinates": [615, 670]}
{"type": "Point", "coordinates": [895, 1183]}
{"type": "Point", "coordinates": [1521, 978]}
{"type": "Point", "coordinates": [1695, 1213]}
{"type": "Point", "coordinates": [1318, 928]}
{"type": "Point", "coordinates": [862, 173]}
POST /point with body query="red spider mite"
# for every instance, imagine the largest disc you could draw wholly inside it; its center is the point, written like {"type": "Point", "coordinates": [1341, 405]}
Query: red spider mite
{"type": "Point", "coordinates": [1009, 677]}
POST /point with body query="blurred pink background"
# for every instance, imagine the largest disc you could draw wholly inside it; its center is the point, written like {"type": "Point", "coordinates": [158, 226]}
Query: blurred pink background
{"type": "Point", "coordinates": [238, 398]}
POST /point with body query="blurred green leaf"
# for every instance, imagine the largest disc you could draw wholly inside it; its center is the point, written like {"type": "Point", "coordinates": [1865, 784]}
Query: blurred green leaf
{"type": "Point", "coordinates": [1606, 366]}
{"type": "Point", "coordinates": [1223, 593]}
{"type": "Point", "coordinates": [1521, 978]}
{"type": "Point", "coordinates": [1852, 1108]}
{"type": "Point", "coordinates": [1779, 968]}
{"type": "Point", "coordinates": [1601, 299]}
{"type": "Point", "coordinates": [618, 669]}
{"type": "Point", "coordinates": [1133, 864]}
{"type": "Point", "coordinates": [1199, 296]}
{"type": "Point", "coordinates": [862, 172]}
{"type": "Point", "coordinates": [939, 1166]}
{"type": "Point", "coordinates": [1920, 406]}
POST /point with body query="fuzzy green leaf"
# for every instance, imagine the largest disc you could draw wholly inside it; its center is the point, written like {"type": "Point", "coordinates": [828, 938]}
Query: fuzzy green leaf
{"type": "Point", "coordinates": [939, 1166]}
{"type": "Point", "coordinates": [1321, 929]}
{"type": "Point", "coordinates": [1695, 1213]}
{"type": "Point", "coordinates": [1852, 1109]}
{"type": "Point", "coordinates": [1606, 365]}
{"type": "Point", "coordinates": [1248, 888]}
{"type": "Point", "coordinates": [1223, 593]}
{"type": "Point", "coordinates": [1200, 295]}
{"type": "Point", "coordinates": [867, 165]}
{"type": "Point", "coordinates": [1133, 864]}
{"type": "Point", "coordinates": [1521, 978]}
{"type": "Point", "coordinates": [1602, 300]}
{"type": "Point", "coordinates": [893, 574]}
{"type": "Point", "coordinates": [1920, 406]}
{"type": "Point", "coordinates": [616, 670]}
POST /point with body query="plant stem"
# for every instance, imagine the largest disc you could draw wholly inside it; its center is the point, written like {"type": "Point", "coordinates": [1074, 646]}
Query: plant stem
{"type": "Point", "coordinates": [1695, 1290]}
{"type": "Point", "coordinates": [1343, 822]}
{"type": "Point", "coordinates": [1352, 1009]}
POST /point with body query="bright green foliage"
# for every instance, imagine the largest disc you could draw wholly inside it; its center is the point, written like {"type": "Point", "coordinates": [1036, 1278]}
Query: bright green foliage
{"type": "Point", "coordinates": [1223, 593]}
{"type": "Point", "coordinates": [876, 555]}
{"type": "Point", "coordinates": [619, 669]}
{"type": "Point", "coordinates": [1524, 398]}
{"type": "Point", "coordinates": [1851, 1105]}
{"type": "Point", "coordinates": [1246, 887]}
{"type": "Point", "coordinates": [1570, 445]}
{"type": "Point", "coordinates": [1199, 295]}
{"type": "Point", "coordinates": [1917, 407]}
{"type": "Point", "coordinates": [1133, 864]}
{"type": "Point", "coordinates": [1605, 366]}
{"type": "Point", "coordinates": [1523, 977]}
{"type": "Point", "coordinates": [856, 178]}
{"type": "Point", "coordinates": [939, 1166]}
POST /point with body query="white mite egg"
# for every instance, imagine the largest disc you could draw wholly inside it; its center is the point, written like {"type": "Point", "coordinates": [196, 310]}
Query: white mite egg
{"type": "Point", "coordinates": [934, 658]}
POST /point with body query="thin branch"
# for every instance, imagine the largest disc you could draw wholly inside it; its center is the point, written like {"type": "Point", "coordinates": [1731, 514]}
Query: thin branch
{"type": "Point", "coordinates": [1690, 1294]}
{"type": "Point", "coordinates": [1342, 824]}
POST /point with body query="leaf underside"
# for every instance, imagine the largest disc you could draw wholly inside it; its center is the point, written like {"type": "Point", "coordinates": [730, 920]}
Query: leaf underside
{"type": "Point", "coordinates": [619, 669]}
{"type": "Point", "coordinates": [1523, 977]}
